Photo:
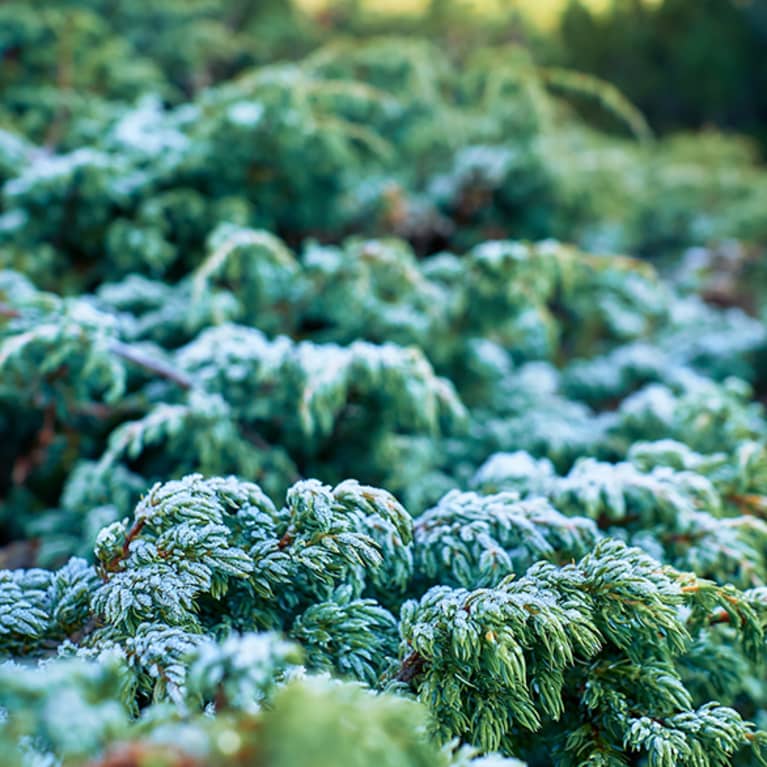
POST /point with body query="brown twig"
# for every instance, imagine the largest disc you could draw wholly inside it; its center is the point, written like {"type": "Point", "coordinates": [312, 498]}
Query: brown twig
{"type": "Point", "coordinates": [721, 617]}
{"type": "Point", "coordinates": [127, 352]}
{"type": "Point", "coordinates": [133, 533]}
{"type": "Point", "coordinates": [156, 366]}
{"type": "Point", "coordinates": [750, 504]}
{"type": "Point", "coordinates": [411, 667]}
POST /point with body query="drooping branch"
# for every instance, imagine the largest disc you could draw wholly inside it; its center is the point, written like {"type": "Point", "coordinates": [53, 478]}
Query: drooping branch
{"type": "Point", "coordinates": [154, 365]}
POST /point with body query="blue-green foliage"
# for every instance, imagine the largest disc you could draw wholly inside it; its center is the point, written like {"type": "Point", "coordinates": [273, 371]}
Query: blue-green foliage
{"type": "Point", "coordinates": [320, 450]}
{"type": "Point", "coordinates": [521, 441]}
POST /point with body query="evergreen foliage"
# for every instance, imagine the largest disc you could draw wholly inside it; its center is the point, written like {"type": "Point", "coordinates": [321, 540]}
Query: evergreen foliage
{"type": "Point", "coordinates": [319, 449]}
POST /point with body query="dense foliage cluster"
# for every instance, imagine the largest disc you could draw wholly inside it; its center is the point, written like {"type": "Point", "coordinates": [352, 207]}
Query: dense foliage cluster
{"type": "Point", "coordinates": [321, 446]}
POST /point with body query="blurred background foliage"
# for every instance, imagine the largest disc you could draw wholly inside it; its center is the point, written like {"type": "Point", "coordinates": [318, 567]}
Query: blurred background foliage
{"type": "Point", "coordinates": [145, 148]}
{"type": "Point", "coordinates": [452, 102]}
{"type": "Point", "coordinates": [299, 239]}
{"type": "Point", "coordinates": [687, 64]}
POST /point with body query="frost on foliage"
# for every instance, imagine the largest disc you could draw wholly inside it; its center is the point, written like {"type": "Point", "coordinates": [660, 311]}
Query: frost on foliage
{"type": "Point", "coordinates": [23, 598]}
{"type": "Point", "coordinates": [257, 267]}
{"type": "Point", "coordinates": [199, 434]}
{"type": "Point", "coordinates": [678, 508]}
{"type": "Point", "coordinates": [721, 343]}
{"type": "Point", "coordinates": [532, 415]}
{"type": "Point", "coordinates": [544, 405]}
{"type": "Point", "coordinates": [514, 471]}
{"type": "Point", "coordinates": [240, 672]}
{"type": "Point", "coordinates": [472, 540]}
{"type": "Point", "coordinates": [316, 382]}
{"type": "Point", "coordinates": [39, 605]}
{"type": "Point", "coordinates": [354, 637]}
{"type": "Point", "coordinates": [169, 315]}
{"type": "Point", "coordinates": [159, 656]}
{"type": "Point", "coordinates": [274, 408]}
{"type": "Point", "coordinates": [68, 709]}
{"type": "Point", "coordinates": [53, 339]}
{"type": "Point", "coordinates": [494, 663]}
{"type": "Point", "coordinates": [202, 551]}
{"type": "Point", "coordinates": [494, 659]}
{"type": "Point", "coordinates": [350, 533]}
{"type": "Point", "coordinates": [178, 547]}
{"type": "Point", "coordinates": [740, 476]}
{"type": "Point", "coordinates": [616, 374]}
{"type": "Point", "coordinates": [91, 499]}
{"type": "Point", "coordinates": [72, 709]}
{"type": "Point", "coordinates": [705, 415]}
